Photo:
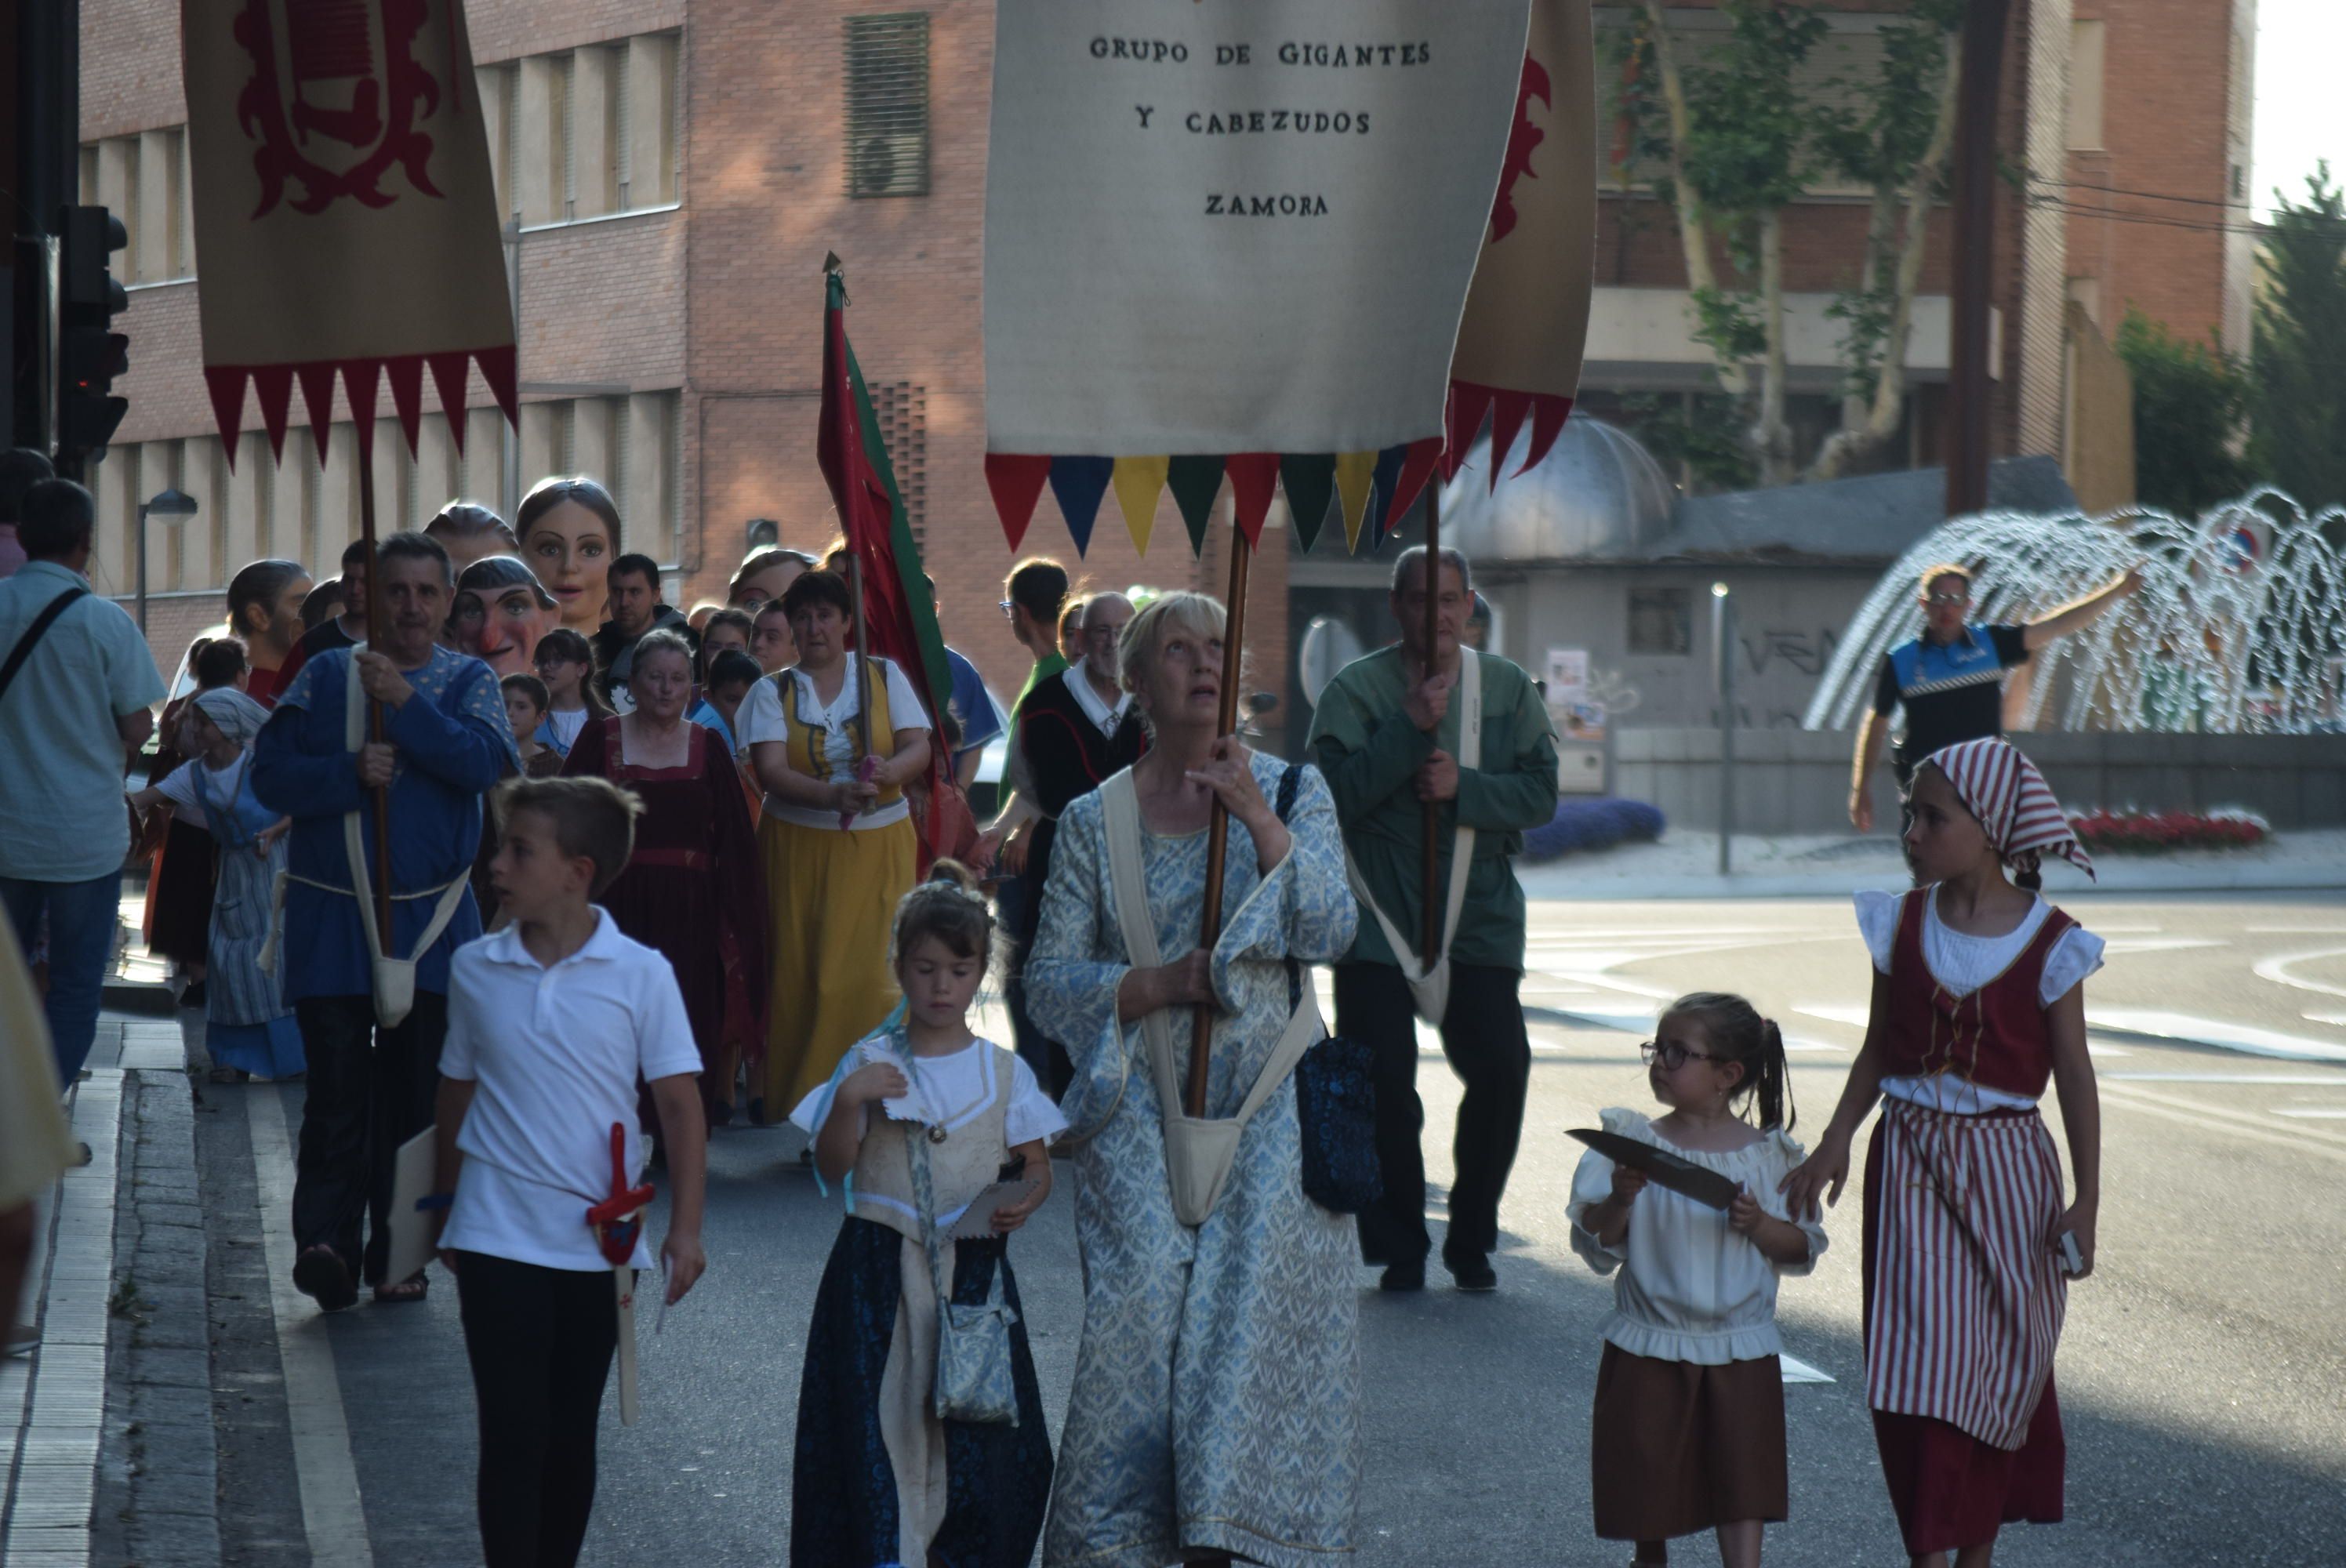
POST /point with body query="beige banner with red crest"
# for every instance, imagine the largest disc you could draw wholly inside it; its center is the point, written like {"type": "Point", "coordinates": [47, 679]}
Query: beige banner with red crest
{"type": "Point", "coordinates": [345, 209]}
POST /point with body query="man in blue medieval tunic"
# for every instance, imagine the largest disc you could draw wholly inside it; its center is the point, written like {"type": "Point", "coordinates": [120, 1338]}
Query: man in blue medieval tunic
{"type": "Point", "coordinates": [373, 1011]}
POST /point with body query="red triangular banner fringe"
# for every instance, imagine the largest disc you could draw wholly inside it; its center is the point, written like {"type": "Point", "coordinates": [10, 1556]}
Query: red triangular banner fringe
{"type": "Point", "coordinates": [1415, 470]}
{"type": "Point", "coordinates": [1548, 414]}
{"type": "Point", "coordinates": [358, 378]}
{"type": "Point", "coordinates": [1016, 482]}
{"type": "Point", "coordinates": [1253, 475]}
{"type": "Point", "coordinates": [406, 374]}
{"type": "Point", "coordinates": [227, 387]}
{"type": "Point", "coordinates": [448, 372]}
{"type": "Point", "coordinates": [1462, 421]}
{"type": "Point", "coordinates": [317, 379]}
{"type": "Point", "coordinates": [1507, 411]}
{"type": "Point", "coordinates": [273, 385]}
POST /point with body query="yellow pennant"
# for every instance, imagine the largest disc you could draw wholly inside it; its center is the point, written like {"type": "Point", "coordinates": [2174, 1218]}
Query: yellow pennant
{"type": "Point", "coordinates": [1355, 472]}
{"type": "Point", "coordinates": [1138, 481]}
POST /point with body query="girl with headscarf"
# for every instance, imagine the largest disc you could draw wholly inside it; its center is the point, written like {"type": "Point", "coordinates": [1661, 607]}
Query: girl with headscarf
{"type": "Point", "coordinates": [249, 1028]}
{"type": "Point", "coordinates": [1979, 1004]}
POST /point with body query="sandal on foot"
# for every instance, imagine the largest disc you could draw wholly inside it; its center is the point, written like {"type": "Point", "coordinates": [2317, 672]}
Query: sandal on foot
{"type": "Point", "coordinates": [405, 1291]}
{"type": "Point", "coordinates": [320, 1274]}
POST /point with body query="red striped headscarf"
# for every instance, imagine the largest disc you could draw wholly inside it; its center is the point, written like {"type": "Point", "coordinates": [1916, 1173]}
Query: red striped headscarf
{"type": "Point", "coordinates": [2003, 789]}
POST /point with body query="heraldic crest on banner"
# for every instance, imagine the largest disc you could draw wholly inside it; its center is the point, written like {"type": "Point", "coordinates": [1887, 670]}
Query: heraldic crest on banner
{"type": "Point", "coordinates": [335, 98]}
{"type": "Point", "coordinates": [344, 210]}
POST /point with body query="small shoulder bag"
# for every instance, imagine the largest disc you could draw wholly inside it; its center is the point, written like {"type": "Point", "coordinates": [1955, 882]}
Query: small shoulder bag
{"type": "Point", "coordinates": [1335, 1096]}
{"type": "Point", "coordinates": [973, 1381]}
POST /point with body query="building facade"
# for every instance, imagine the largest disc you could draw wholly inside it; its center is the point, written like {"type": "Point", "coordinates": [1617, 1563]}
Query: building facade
{"type": "Point", "coordinates": [675, 171]}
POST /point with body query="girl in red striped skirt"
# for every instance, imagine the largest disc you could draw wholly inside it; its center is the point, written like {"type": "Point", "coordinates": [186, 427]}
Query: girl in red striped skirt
{"type": "Point", "coordinates": [1979, 1003]}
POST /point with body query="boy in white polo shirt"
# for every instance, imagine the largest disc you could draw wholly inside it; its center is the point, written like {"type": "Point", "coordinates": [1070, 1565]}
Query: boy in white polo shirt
{"type": "Point", "coordinates": [550, 1021]}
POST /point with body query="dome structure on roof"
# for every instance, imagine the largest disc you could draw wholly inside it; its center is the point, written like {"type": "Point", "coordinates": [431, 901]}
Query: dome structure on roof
{"type": "Point", "coordinates": [1598, 495]}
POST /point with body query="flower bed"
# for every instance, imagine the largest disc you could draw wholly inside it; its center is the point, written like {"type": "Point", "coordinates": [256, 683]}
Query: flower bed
{"type": "Point", "coordinates": [1580, 826]}
{"type": "Point", "coordinates": [2154, 832]}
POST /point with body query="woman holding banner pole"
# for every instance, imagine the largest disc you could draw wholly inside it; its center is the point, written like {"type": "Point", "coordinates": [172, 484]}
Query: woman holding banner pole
{"type": "Point", "coordinates": [1215, 1411]}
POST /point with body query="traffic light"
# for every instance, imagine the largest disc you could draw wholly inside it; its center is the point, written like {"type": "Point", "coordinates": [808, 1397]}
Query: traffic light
{"type": "Point", "coordinates": [90, 353]}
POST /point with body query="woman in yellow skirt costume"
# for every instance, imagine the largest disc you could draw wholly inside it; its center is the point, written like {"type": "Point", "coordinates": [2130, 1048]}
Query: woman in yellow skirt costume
{"type": "Point", "coordinates": [833, 887]}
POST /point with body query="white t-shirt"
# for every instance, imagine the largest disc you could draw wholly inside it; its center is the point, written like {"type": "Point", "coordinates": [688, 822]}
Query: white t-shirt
{"type": "Point", "coordinates": [760, 718]}
{"type": "Point", "coordinates": [1691, 1289]}
{"type": "Point", "coordinates": [553, 1055]}
{"type": "Point", "coordinates": [1963, 963]}
{"type": "Point", "coordinates": [566, 725]}
{"type": "Point", "coordinates": [178, 787]}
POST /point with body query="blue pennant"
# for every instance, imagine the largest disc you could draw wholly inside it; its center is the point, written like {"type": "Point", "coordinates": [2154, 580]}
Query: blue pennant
{"type": "Point", "coordinates": [1077, 483]}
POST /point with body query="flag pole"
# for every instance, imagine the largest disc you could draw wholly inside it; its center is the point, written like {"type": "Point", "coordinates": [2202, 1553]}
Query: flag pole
{"type": "Point", "coordinates": [1218, 832]}
{"type": "Point", "coordinates": [376, 626]}
{"type": "Point", "coordinates": [1430, 820]}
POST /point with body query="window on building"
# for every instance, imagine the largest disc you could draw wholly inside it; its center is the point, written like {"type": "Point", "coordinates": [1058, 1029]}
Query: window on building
{"type": "Point", "coordinates": [1661, 621]}
{"type": "Point", "coordinates": [584, 133]}
{"type": "Point", "coordinates": [2088, 41]}
{"type": "Point", "coordinates": [888, 105]}
{"type": "Point", "coordinates": [142, 178]}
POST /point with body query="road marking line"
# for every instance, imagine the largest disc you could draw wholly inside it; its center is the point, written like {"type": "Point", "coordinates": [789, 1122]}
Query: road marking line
{"type": "Point", "coordinates": [2160, 1024]}
{"type": "Point", "coordinates": [2194, 1118]}
{"type": "Point", "coordinates": [2231, 1120]}
{"type": "Point", "coordinates": [2325, 1080]}
{"type": "Point", "coordinates": [331, 1514]}
{"type": "Point", "coordinates": [2324, 1112]}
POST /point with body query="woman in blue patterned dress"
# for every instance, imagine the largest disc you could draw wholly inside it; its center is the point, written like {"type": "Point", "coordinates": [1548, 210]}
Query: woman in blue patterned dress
{"type": "Point", "coordinates": [249, 1030]}
{"type": "Point", "coordinates": [1215, 1411]}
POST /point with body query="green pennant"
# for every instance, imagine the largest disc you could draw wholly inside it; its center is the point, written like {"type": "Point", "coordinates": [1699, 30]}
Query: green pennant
{"type": "Point", "coordinates": [1195, 481]}
{"type": "Point", "coordinates": [1310, 480]}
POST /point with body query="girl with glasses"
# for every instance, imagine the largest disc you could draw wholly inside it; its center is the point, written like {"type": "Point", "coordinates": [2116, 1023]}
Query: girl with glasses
{"type": "Point", "coordinates": [1689, 1419]}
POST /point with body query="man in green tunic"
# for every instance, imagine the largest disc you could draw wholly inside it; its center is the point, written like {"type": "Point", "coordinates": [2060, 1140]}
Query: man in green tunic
{"type": "Point", "coordinates": [1388, 735]}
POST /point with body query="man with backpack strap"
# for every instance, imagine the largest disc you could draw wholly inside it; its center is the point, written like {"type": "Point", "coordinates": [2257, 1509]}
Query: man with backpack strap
{"type": "Point", "coordinates": [76, 688]}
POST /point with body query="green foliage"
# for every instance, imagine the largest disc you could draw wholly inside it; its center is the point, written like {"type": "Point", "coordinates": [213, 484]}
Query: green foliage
{"type": "Point", "coordinates": [1704, 435]}
{"type": "Point", "coordinates": [2298, 398]}
{"type": "Point", "coordinates": [2188, 397]}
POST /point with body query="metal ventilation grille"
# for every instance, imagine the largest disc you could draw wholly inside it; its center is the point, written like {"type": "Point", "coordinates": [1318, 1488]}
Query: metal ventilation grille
{"type": "Point", "coordinates": [888, 105]}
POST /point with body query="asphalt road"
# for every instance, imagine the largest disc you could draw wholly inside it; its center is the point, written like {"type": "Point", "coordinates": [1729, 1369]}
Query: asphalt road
{"type": "Point", "coordinates": [2201, 1372]}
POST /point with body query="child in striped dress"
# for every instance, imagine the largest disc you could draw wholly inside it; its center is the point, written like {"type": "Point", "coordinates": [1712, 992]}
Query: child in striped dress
{"type": "Point", "coordinates": [1978, 1004]}
{"type": "Point", "coordinates": [1688, 1433]}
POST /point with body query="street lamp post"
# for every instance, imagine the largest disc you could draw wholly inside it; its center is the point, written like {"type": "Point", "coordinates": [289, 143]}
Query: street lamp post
{"type": "Point", "coordinates": [1722, 640]}
{"type": "Point", "coordinates": [175, 504]}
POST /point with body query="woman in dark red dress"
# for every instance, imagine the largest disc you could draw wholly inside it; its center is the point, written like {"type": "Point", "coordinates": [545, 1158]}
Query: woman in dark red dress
{"type": "Point", "coordinates": [693, 880]}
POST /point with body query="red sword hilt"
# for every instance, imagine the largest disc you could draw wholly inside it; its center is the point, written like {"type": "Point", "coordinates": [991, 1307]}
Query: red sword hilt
{"type": "Point", "coordinates": [617, 1220]}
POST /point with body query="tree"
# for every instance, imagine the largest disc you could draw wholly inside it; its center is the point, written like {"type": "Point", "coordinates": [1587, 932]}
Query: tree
{"type": "Point", "coordinates": [1893, 138]}
{"type": "Point", "coordinates": [1740, 142]}
{"type": "Point", "coordinates": [1733, 128]}
{"type": "Point", "coordinates": [2299, 400]}
{"type": "Point", "coordinates": [2187, 402]}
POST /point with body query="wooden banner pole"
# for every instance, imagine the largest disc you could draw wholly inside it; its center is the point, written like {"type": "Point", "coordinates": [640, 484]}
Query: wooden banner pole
{"type": "Point", "coordinates": [377, 626]}
{"type": "Point", "coordinates": [1218, 832]}
{"type": "Point", "coordinates": [1430, 852]}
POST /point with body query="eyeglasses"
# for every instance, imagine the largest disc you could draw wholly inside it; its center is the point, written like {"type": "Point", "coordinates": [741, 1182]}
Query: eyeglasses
{"type": "Point", "coordinates": [1672, 1055]}
{"type": "Point", "coordinates": [1948, 599]}
{"type": "Point", "coordinates": [1009, 610]}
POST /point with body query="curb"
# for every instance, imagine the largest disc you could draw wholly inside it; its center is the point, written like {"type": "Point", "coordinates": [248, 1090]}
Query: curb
{"type": "Point", "coordinates": [146, 998]}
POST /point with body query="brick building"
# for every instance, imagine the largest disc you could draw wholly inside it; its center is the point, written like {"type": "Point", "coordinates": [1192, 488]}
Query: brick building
{"type": "Point", "coordinates": [678, 170]}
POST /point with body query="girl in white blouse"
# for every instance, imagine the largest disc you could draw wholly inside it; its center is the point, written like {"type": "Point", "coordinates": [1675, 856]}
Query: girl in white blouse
{"type": "Point", "coordinates": [1689, 1417]}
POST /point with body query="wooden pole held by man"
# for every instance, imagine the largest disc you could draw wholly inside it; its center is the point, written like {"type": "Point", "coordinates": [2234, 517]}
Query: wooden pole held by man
{"type": "Point", "coordinates": [1430, 862]}
{"type": "Point", "coordinates": [377, 625]}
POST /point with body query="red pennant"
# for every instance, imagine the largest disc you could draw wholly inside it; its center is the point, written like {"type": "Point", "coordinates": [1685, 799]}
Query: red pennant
{"type": "Point", "coordinates": [406, 374]}
{"type": "Point", "coordinates": [226, 385]}
{"type": "Point", "coordinates": [1507, 411]}
{"type": "Point", "coordinates": [358, 378]}
{"type": "Point", "coordinates": [1416, 468]}
{"type": "Point", "coordinates": [317, 379]}
{"type": "Point", "coordinates": [273, 385]}
{"type": "Point", "coordinates": [448, 372]}
{"type": "Point", "coordinates": [1253, 475]}
{"type": "Point", "coordinates": [1462, 421]}
{"type": "Point", "coordinates": [501, 368]}
{"type": "Point", "coordinates": [1548, 414]}
{"type": "Point", "coordinates": [1016, 482]}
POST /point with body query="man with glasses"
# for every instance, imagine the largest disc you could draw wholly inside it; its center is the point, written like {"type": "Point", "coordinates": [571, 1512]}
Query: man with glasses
{"type": "Point", "coordinates": [1070, 735]}
{"type": "Point", "coordinates": [1950, 680]}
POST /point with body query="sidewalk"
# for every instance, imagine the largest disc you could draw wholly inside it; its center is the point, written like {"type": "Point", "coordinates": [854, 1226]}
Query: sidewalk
{"type": "Point", "coordinates": [105, 1429]}
{"type": "Point", "coordinates": [1684, 864]}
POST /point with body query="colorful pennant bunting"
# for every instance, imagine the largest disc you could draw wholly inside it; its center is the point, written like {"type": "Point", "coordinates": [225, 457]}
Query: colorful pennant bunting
{"type": "Point", "coordinates": [1139, 481]}
{"type": "Point", "coordinates": [1355, 483]}
{"type": "Point", "coordinates": [1310, 481]}
{"type": "Point", "coordinates": [1195, 481]}
{"type": "Point", "coordinates": [1254, 477]}
{"type": "Point", "coordinates": [1077, 483]}
{"type": "Point", "coordinates": [1016, 482]}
